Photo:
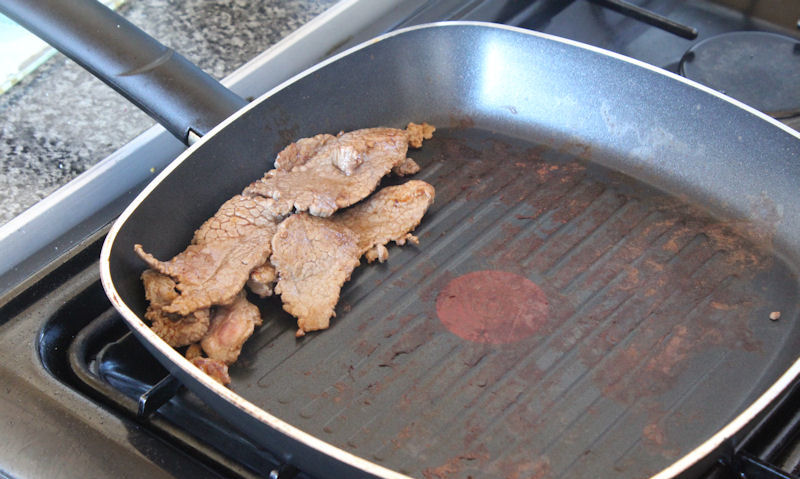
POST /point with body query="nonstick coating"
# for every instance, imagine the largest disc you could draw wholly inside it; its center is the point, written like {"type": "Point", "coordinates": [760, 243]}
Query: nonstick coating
{"type": "Point", "coordinates": [642, 227]}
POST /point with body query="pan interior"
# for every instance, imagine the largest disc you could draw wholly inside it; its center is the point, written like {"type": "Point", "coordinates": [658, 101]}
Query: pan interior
{"type": "Point", "coordinates": [557, 319]}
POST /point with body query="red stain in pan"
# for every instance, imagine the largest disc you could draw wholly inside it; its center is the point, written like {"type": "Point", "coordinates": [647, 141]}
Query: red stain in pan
{"type": "Point", "coordinates": [492, 307]}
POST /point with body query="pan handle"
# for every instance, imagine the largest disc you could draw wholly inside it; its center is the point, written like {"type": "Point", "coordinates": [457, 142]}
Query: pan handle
{"type": "Point", "coordinates": [156, 79]}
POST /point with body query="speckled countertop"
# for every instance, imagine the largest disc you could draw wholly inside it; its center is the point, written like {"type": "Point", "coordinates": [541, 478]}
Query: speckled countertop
{"type": "Point", "coordinates": [60, 120]}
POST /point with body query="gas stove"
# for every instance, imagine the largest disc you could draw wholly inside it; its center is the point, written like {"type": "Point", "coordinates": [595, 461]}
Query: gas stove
{"type": "Point", "coordinates": [80, 395]}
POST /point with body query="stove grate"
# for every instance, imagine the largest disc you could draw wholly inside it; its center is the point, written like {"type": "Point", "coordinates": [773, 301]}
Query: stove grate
{"type": "Point", "coordinates": [112, 367]}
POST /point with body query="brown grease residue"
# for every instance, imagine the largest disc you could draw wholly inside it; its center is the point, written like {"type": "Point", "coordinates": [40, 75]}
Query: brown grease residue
{"type": "Point", "coordinates": [470, 465]}
{"type": "Point", "coordinates": [492, 307]}
{"type": "Point", "coordinates": [636, 292]}
{"type": "Point", "coordinates": [461, 122]}
{"type": "Point", "coordinates": [455, 465]}
{"type": "Point", "coordinates": [643, 283]}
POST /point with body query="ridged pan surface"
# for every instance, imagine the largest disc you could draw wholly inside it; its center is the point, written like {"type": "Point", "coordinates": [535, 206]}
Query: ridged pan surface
{"type": "Point", "coordinates": [592, 291]}
{"type": "Point", "coordinates": [555, 320]}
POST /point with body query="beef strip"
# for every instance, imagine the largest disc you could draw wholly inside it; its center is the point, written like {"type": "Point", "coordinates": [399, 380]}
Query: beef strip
{"type": "Point", "coordinates": [194, 351]}
{"type": "Point", "coordinates": [314, 257]}
{"type": "Point", "coordinates": [321, 175]}
{"type": "Point", "coordinates": [225, 249]}
{"type": "Point", "coordinates": [230, 327]}
{"type": "Point", "coordinates": [159, 289]}
{"type": "Point", "coordinates": [388, 215]}
{"type": "Point", "coordinates": [406, 167]}
{"type": "Point", "coordinates": [302, 150]}
{"type": "Point", "coordinates": [176, 330]}
{"type": "Point", "coordinates": [417, 133]}
{"type": "Point", "coordinates": [214, 368]}
{"type": "Point", "coordinates": [262, 280]}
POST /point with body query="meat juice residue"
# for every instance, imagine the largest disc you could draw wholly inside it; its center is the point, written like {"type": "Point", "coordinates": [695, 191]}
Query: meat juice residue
{"type": "Point", "coordinates": [492, 307]}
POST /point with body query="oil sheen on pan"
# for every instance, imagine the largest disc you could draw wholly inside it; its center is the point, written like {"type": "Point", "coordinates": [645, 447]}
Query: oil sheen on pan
{"type": "Point", "coordinates": [556, 320]}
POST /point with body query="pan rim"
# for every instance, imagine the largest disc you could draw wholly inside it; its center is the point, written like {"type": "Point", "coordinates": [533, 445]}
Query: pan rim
{"type": "Point", "coordinates": [676, 468]}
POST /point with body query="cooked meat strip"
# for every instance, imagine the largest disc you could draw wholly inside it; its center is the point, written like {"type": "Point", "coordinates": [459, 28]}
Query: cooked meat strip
{"type": "Point", "coordinates": [379, 253]}
{"type": "Point", "coordinates": [176, 330]}
{"type": "Point", "coordinates": [230, 327]}
{"type": "Point", "coordinates": [159, 289]}
{"type": "Point", "coordinates": [193, 351]}
{"type": "Point", "coordinates": [347, 158]}
{"type": "Point", "coordinates": [340, 171]}
{"type": "Point", "coordinates": [314, 257]}
{"type": "Point", "coordinates": [302, 150]}
{"type": "Point", "coordinates": [406, 167]}
{"type": "Point", "coordinates": [214, 368]}
{"type": "Point", "coordinates": [225, 249]}
{"type": "Point", "coordinates": [388, 215]}
{"type": "Point", "coordinates": [262, 279]}
{"type": "Point", "coordinates": [236, 218]}
{"type": "Point", "coordinates": [417, 133]}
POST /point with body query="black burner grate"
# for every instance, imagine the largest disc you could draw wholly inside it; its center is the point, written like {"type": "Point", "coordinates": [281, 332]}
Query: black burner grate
{"type": "Point", "coordinates": [111, 366]}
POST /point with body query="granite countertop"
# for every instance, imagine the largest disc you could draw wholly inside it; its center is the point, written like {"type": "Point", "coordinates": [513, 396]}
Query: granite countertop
{"type": "Point", "coordinates": [60, 120]}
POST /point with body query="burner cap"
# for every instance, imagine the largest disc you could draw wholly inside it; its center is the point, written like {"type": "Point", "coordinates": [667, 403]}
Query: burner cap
{"type": "Point", "coordinates": [758, 68]}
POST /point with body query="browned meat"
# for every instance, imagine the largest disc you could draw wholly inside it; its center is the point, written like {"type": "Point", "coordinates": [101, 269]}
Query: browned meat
{"type": "Point", "coordinates": [237, 218]}
{"type": "Point", "coordinates": [417, 133]}
{"type": "Point", "coordinates": [389, 215]}
{"type": "Point", "coordinates": [323, 175]}
{"type": "Point", "coordinates": [314, 257]}
{"type": "Point", "coordinates": [159, 289]}
{"type": "Point", "coordinates": [407, 167]}
{"type": "Point", "coordinates": [198, 295]}
{"type": "Point", "coordinates": [299, 152]}
{"type": "Point", "coordinates": [214, 368]}
{"type": "Point", "coordinates": [176, 330]}
{"type": "Point", "coordinates": [262, 279]}
{"type": "Point", "coordinates": [226, 248]}
{"type": "Point", "coordinates": [194, 351]}
{"type": "Point", "coordinates": [230, 327]}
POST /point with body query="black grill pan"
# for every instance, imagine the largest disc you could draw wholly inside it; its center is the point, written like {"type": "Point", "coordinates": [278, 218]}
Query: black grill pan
{"type": "Point", "coordinates": [592, 291]}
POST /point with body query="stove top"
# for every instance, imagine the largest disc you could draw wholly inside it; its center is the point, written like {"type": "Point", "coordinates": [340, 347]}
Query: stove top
{"type": "Point", "coordinates": [81, 397]}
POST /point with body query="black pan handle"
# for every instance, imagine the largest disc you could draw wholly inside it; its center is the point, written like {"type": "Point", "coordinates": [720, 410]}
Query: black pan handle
{"type": "Point", "coordinates": [159, 81]}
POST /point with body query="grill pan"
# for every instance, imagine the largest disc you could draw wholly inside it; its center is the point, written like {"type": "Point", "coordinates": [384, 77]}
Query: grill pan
{"type": "Point", "coordinates": [592, 290]}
